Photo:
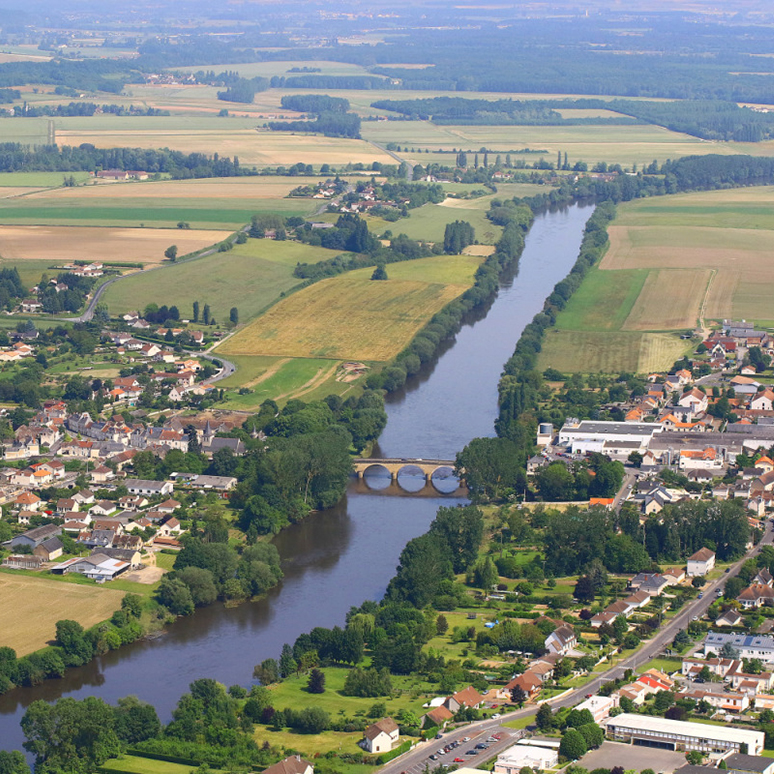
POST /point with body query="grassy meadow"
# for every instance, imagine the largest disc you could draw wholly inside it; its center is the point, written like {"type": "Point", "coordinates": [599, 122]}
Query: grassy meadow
{"type": "Point", "coordinates": [251, 277]}
{"type": "Point", "coordinates": [40, 604]}
{"type": "Point", "coordinates": [671, 260]}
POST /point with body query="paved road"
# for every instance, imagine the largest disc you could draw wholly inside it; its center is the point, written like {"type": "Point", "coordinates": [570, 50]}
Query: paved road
{"type": "Point", "coordinates": [413, 762]}
{"type": "Point", "coordinates": [383, 149]}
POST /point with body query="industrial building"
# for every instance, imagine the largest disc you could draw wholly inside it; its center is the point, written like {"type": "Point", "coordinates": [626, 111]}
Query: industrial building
{"type": "Point", "coordinates": [666, 734]}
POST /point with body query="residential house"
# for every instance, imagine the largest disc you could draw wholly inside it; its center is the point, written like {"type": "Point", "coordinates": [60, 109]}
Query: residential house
{"type": "Point", "coordinates": [468, 698]}
{"type": "Point", "coordinates": [149, 488]}
{"type": "Point", "coordinates": [756, 595]}
{"type": "Point", "coordinates": [381, 736]}
{"type": "Point", "coordinates": [702, 562]}
{"type": "Point", "coordinates": [529, 682]}
{"type": "Point", "coordinates": [727, 701]}
{"type": "Point", "coordinates": [730, 618]}
{"type": "Point", "coordinates": [439, 716]}
{"type": "Point", "coordinates": [295, 764]}
{"type": "Point", "coordinates": [674, 575]}
{"type": "Point", "coordinates": [562, 640]}
{"type": "Point", "coordinates": [695, 400]}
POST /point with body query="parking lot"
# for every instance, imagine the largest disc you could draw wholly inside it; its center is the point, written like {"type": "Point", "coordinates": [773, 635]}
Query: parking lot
{"type": "Point", "coordinates": [631, 756]}
{"type": "Point", "coordinates": [460, 749]}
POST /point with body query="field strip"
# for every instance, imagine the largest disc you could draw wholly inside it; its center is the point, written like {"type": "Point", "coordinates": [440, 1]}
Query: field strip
{"type": "Point", "coordinates": [269, 372]}
{"type": "Point", "coordinates": [316, 381]}
{"type": "Point", "coordinates": [702, 310]}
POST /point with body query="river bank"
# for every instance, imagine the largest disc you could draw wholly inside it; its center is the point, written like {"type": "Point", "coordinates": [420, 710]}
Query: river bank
{"type": "Point", "coordinates": [347, 554]}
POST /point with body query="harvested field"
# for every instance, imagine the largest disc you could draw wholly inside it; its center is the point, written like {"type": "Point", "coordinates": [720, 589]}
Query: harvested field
{"type": "Point", "coordinates": [218, 188]}
{"type": "Point", "coordinates": [344, 318]}
{"type": "Point", "coordinates": [30, 608]}
{"type": "Point", "coordinates": [62, 244]}
{"type": "Point", "coordinates": [669, 247]}
{"type": "Point", "coordinates": [670, 299]}
{"type": "Point", "coordinates": [613, 352]}
{"type": "Point", "coordinates": [264, 148]}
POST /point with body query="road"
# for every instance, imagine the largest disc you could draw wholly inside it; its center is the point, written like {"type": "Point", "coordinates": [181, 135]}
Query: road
{"type": "Point", "coordinates": [383, 149]}
{"type": "Point", "coordinates": [414, 761]}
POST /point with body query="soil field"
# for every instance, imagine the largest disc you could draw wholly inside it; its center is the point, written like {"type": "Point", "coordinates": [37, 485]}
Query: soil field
{"type": "Point", "coordinates": [30, 608]}
{"type": "Point", "coordinates": [63, 244]}
{"type": "Point", "coordinates": [670, 300]}
{"type": "Point", "coordinates": [250, 277]}
{"type": "Point", "coordinates": [344, 318]}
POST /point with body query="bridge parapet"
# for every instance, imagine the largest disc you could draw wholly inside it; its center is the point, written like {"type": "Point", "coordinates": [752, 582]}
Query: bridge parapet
{"type": "Point", "coordinates": [394, 465]}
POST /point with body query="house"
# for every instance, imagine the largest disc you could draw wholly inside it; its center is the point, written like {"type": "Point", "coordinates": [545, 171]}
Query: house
{"type": "Point", "coordinates": [529, 682]}
{"type": "Point", "coordinates": [763, 401]}
{"type": "Point", "coordinates": [101, 475]}
{"type": "Point", "coordinates": [738, 763]}
{"type": "Point", "coordinates": [764, 577]}
{"type": "Point", "coordinates": [295, 764]}
{"type": "Point", "coordinates": [702, 562]}
{"type": "Point", "coordinates": [381, 736]}
{"type": "Point", "coordinates": [28, 501]}
{"type": "Point", "coordinates": [727, 701]}
{"type": "Point", "coordinates": [730, 618]}
{"type": "Point", "coordinates": [168, 506]}
{"type": "Point", "coordinates": [695, 400]}
{"type": "Point", "coordinates": [674, 575]}
{"type": "Point", "coordinates": [102, 508]}
{"type": "Point", "coordinates": [756, 595]}
{"type": "Point", "coordinates": [439, 716]}
{"type": "Point", "coordinates": [605, 617]}
{"type": "Point", "coordinates": [562, 640]}
{"type": "Point", "coordinates": [170, 527]}
{"type": "Point", "coordinates": [467, 698]}
{"type": "Point", "coordinates": [149, 488]}
{"type": "Point", "coordinates": [49, 549]}
{"type": "Point", "coordinates": [132, 556]}
{"type": "Point", "coordinates": [598, 706]}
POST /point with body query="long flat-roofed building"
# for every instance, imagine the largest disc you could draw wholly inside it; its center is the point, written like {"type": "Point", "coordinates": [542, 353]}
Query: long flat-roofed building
{"type": "Point", "coordinates": [747, 645]}
{"type": "Point", "coordinates": [588, 435]}
{"type": "Point", "coordinates": [649, 731]}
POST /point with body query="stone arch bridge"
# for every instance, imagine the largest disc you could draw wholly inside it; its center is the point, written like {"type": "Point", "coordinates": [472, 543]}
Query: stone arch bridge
{"type": "Point", "coordinates": [395, 466]}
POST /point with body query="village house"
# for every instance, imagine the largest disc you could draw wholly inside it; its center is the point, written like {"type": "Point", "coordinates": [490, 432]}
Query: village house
{"type": "Point", "coordinates": [381, 736]}
{"type": "Point", "coordinates": [295, 764]}
{"type": "Point", "coordinates": [562, 640]}
{"type": "Point", "coordinates": [702, 562]}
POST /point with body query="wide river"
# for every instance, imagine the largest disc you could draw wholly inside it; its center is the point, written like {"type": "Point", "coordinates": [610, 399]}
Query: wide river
{"type": "Point", "coordinates": [341, 557]}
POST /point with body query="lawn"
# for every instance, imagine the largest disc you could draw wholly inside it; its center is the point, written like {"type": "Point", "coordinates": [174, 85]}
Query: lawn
{"type": "Point", "coordinates": [345, 318]}
{"type": "Point", "coordinates": [31, 606]}
{"type": "Point", "coordinates": [134, 764]}
{"type": "Point", "coordinates": [667, 665]}
{"type": "Point", "coordinates": [429, 223]}
{"type": "Point", "coordinates": [292, 693]}
{"type": "Point", "coordinates": [250, 277]}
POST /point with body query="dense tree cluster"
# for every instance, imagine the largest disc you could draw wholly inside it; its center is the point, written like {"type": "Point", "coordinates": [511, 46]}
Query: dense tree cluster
{"type": "Point", "coordinates": [329, 124]}
{"type": "Point", "coordinates": [457, 236]}
{"type": "Point", "coordinates": [87, 109]}
{"type": "Point", "coordinates": [11, 287]}
{"type": "Point", "coordinates": [314, 103]}
{"type": "Point", "coordinates": [578, 537]}
{"type": "Point", "coordinates": [326, 82]}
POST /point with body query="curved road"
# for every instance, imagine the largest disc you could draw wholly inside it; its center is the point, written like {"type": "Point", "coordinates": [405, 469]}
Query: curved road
{"type": "Point", "coordinates": [414, 762]}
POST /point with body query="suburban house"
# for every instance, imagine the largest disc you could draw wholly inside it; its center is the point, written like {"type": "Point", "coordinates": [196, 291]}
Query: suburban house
{"type": "Point", "coordinates": [562, 640]}
{"type": "Point", "coordinates": [730, 618]}
{"type": "Point", "coordinates": [702, 562]}
{"type": "Point", "coordinates": [148, 488]}
{"type": "Point", "coordinates": [468, 698]}
{"type": "Point", "coordinates": [295, 764]}
{"type": "Point", "coordinates": [381, 736]}
{"type": "Point", "coordinates": [756, 595]}
{"type": "Point", "coordinates": [439, 717]}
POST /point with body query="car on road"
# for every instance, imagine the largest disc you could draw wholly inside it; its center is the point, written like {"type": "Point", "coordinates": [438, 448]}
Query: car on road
{"type": "Point", "coordinates": [481, 746]}
{"type": "Point", "coordinates": [701, 594]}
{"type": "Point", "coordinates": [465, 738]}
{"type": "Point", "coordinates": [433, 757]}
{"type": "Point", "coordinates": [472, 752]}
{"type": "Point", "coordinates": [496, 716]}
{"type": "Point", "coordinates": [459, 760]}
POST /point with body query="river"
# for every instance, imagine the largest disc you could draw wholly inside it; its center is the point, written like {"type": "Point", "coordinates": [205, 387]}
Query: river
{"type": "Point", "coordinates": [340, 557]}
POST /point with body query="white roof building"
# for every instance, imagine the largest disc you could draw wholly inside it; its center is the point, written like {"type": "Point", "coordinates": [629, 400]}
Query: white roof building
{"type": "Point", "coordinates": [515, 758]}
{"type": "Point", "coordinates": [683, 736]}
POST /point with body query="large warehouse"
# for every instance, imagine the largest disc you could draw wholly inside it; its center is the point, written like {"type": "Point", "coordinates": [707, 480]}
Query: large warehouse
{"type": "Point", "coordinates": [679, 735]}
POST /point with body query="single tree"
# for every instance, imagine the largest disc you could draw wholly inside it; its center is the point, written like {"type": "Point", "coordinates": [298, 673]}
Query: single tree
{"type": "Point", "coordinates": [233, 315]}
{"type": "Point", "coordinates": [206, 317]}
{"type": "Point", "coordinates": [196, 311]}
{"type": "Point", "coordinates": [171, 253]}
{"type": "Point", "coordinates": [316, 683]}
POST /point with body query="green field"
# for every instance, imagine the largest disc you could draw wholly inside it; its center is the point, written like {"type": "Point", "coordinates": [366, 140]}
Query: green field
{"type": "Point", "coordinates": [251, 277]}
{"type": "Point", "coordinates": [134, 764]}
{"type": "Point", "coordinates": [429, 222]}
{"type": "Point", "coordinates": [39, 179]}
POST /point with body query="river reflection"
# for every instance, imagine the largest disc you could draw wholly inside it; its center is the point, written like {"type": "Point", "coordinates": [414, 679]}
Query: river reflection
{"type": "Point", "coordinates": [343, 556]}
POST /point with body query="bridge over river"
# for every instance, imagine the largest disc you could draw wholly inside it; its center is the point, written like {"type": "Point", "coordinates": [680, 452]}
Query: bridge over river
{"type": "Point", "coordinates": [411, 467]}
